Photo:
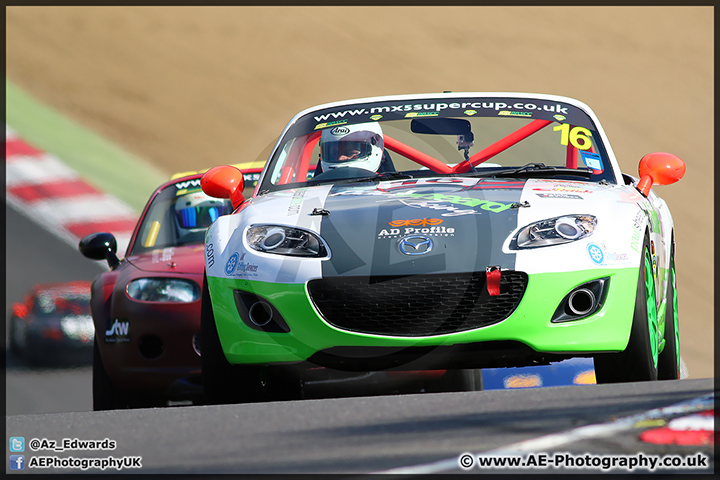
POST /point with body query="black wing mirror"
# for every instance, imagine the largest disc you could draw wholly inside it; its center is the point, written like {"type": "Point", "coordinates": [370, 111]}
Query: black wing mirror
{"type": "Point", "coordinates": [100, 246]}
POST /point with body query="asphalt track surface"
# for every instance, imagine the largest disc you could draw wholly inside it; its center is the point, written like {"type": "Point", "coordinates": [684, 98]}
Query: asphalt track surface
{"type": "Point", "coordinates": [420, 433]}
{"type": "Point", "coordinates": [35, 255]}
{"type": "Point", "coordinates": [365, 434]}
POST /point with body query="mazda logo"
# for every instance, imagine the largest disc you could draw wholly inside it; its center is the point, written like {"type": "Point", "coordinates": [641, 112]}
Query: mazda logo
{"type": "Point", "coordinates": [415, 245]}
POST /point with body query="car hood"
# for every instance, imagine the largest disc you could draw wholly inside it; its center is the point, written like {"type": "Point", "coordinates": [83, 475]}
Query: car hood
{"type": "Point", "coordinates": [378, 229]}
{"type": "Point", "coordinates": [405, 228]}
{"type": "Point", "coordinates": [171, 260]}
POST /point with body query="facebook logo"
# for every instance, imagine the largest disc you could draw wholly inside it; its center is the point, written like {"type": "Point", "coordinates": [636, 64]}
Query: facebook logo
{"type": "Point", "coordinates": [17, 444]}
{"type": "Point", "coordinates": [17, 462]}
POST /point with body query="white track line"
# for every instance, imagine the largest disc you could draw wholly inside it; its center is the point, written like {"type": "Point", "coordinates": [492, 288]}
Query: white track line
{"type": "Point", "coordinates": [547, 442]}
{"type": "Point", "coordinates": [89, 208]}
{"type": "Point", "coordinates": [33, 170]}
{"type": "Point", "coordinates": [56, 213]}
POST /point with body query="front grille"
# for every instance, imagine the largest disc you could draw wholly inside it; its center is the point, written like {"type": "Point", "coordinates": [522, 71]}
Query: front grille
{"type": "Point", "coordinates": [416, 305]}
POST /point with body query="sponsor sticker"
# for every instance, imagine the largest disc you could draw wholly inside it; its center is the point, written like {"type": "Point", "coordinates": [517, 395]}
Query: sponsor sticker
{"type": "Point", "coordinates": [297, 200]}
{"type": "Point", "coordinates": [427, 231]}
{"type": "Point", "coordinates": [245, 269]}
{"type": "Point", "coordinates": [485, 184]}
{"type": "Point", "coordinates": [119, 332]}
{"type": "Point", "coordinates": [563, 188]}
{"type": "Point", "coordinates": [251, 178]}
{"type": "Point", "coordinates": [592, 160]}
{"type": "Point", "coordinates": [210, 255]}
{"type": "Point", "coordinates": [617, 257]}
{"type": "Point", "coordinates": [601, 255]}
{"type": "Point", "coordinates": [635, 239]}
{"type": "Point", "coordinates": [231, 263]}
{"type": "Point", "coordinates": [237, 267]}
{"type": "Point", "coordinates": [424, 222]}
{"type": "Point", "coordinates": [487, 205]}
{"type": "Point", "coordinates": [164, 255]}
{"type": "Point", "coordinates": [421, 114]}
{"type": "Point", "coordinates": [559, 195]}
{"type": "Point", "coordinates": [187, 184]}
{"type": "Point", "coordinates": [508, 113]}
{"type": "Point", "coordinates": [559, 183]}
{"type": "Point", "coordinates": [450, 211]}
{"type": "Point", "coordinates": [596, 253]}
{"type": "Point", "coordinates": [452, 183]}
{"type": "Point", "coordinates": [330, 124]}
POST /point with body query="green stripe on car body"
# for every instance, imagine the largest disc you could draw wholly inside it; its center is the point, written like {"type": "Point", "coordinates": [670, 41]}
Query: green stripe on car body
{"type": "Point", "coordinates": [606, 330]}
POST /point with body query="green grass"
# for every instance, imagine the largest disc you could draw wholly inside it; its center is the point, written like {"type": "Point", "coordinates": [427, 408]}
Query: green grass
{"type": "Point", "coordinates": [98, 161]}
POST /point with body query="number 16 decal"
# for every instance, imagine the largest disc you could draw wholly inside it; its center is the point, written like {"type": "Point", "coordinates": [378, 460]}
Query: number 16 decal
{"type": "Point", "coordinates": [579, 137]}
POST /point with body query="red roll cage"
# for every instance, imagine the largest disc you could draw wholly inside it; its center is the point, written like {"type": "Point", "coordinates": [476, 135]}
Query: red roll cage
{"type": "Point", "coordinates": [301, 153]}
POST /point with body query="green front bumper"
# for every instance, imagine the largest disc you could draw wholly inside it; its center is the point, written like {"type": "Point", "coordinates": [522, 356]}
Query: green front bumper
{"type": "Point", "coordinates": [608, 329]}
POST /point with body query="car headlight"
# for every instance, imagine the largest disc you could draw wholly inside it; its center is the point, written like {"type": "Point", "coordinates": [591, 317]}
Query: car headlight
{"type": "Point", "coordinates": [78, 327]}
{"type": "Point", "coordinates": [285, 241]}
{"type": "Point", "coordinates": [554, 231]}
{"type": "Point", "coordinates": [174, 290]}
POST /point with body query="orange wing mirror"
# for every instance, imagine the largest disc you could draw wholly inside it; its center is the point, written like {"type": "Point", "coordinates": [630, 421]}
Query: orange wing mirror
{"type": "Point", "coordinates": [224, 181]}
{"type": "Point", "coordinates": [659, 168]}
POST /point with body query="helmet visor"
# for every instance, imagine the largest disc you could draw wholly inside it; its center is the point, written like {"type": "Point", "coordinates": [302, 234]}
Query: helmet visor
{"type": "Point", "coordinates": [356, 146]}
{"type": "Point", "coordinates": [201, 216]}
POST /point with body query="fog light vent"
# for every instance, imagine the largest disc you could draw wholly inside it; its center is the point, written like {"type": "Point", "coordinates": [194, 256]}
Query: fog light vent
{"type": "Point", "coordinates": [150, 346]}
{"type": "Point", "coordinates": [258, 313]}
{"type": "Point", "coordinates": [582, 301]}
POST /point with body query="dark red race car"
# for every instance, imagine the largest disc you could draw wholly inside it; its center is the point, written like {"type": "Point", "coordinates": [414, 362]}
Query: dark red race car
{"type": "Point", "coordinates": [146, 309]}
{"type": "Point", "coordinates": [52, 325]}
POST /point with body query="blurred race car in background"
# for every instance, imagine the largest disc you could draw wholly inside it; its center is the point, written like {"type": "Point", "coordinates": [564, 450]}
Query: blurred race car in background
{"type": "Point", "coordinates": [146, 309]}
{"type": "Point", "coordinates": [52, 326]}
{"type": "Point", "coordinates": [452, 231]}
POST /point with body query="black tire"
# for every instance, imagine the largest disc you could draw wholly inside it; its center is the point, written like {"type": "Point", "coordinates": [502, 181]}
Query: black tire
{"type": "Point", "coordinates": [468, 380]}
{"type": "Point", "coordinates": [284, 383]}
{"type": "Point", "coordinates": [35, 354]}
{"type": "Point", "coordinates": [15, 349]}
{"type": "Point", "coordinates": [669, 360]}
{"type": "Point", "coordinates": [107, 397]}
{"type": "Point", "coordinates": [33, 359]}
{"type": "Point", "coordinates": [223, 382]}
{"type": "Point", "coordinates": [637, 363]}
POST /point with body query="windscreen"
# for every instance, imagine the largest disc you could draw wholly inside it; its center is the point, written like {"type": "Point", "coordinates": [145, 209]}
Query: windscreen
{"type": "Point", "coordinates": [463, 136]}
{"type": "Point", "coordinates": [178, 215]}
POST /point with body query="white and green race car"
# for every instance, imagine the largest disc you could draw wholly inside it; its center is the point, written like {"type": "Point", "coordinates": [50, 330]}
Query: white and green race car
{"type": "Point", "coordinates": [439, 232]}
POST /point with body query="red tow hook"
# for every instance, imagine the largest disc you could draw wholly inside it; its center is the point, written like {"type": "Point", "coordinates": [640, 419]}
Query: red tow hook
{"type": "Point", "coordinates": [493, 280]}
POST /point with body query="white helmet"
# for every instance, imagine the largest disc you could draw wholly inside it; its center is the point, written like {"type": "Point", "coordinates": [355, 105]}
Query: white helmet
{"type": "Point", "coordinates": [359, 146]}
{"type": "Point", "coordinates": [197, 210]}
